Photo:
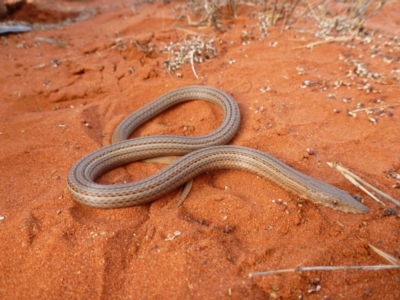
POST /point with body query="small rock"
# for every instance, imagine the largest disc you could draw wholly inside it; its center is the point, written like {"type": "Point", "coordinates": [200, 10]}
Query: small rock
{"type": "Point", "coordinates": [391, 211]}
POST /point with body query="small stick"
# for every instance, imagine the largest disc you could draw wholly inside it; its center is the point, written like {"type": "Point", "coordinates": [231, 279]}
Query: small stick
{"type": "Point", "coordinates": [307, 10]}
{"type": "Point", "coordinates": [195, 24]}
{"type": "Point", "coordinates": [395, 265]}
{"type": "Point", "coordinates": [376, 107]}
{"type": "Point", "coordinates": [273, 13]}
{"type": "Point", "coordinates": [57, 61]}
{"type": "Point", "coordinates": [326, 268]}
{"type": "Point", "coordinates": [281, 13]}
{"type": "Point", "coordinates": [312, 10]}
{"type": "Point", "coordinates": [51, 41]}
{"type": "Point", "coordinates": [192, 63]}
{"type": "Point", "coordinates": [283, 23]}
{"type": "Point", "coordinates": [327, 41]}
{"type": "Point", "coordinates": [287, 16]}
{"type": "Point", "coordinates": [190, 31]}
{"type": "Point", "coordinates": [377, 9]}
{"type": "Point", "coordinates": [139, 47]}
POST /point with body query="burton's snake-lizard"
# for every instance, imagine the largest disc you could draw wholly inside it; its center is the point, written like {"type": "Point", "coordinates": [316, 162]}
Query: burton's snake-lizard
{"type": "Point", "coordinates": [199, 154]}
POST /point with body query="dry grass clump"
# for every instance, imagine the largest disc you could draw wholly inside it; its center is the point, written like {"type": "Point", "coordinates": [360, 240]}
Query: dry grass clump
{"type": "Point", "coordinates": [337, 20]}
{"type": "Point", "coordinates": [343, 16]}
{"type": "Point", "coordinates": [189, 50]}
{"type": "Point", "coordinates": [331, 15]}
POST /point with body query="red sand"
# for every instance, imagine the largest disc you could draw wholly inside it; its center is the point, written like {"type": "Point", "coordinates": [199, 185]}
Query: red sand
{"type": "Point", "coordinates": [232, 223]}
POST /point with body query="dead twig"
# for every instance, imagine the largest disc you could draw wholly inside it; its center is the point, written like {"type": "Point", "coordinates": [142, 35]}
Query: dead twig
{"type": "Point", "coordinates": [309, 8]}
{"type": "Point", "coordinates": [191, 54]}
{"type": "Point", "coordinates": [327, 41]}
{"type": "Point", "coordinates": [374, 108]}
{"type": "Point", "coordinates": [51, 41]}
{"type": "Point", "coordinates": [325, 268]}
{"type": "Point", "coordinates": [395, 265]}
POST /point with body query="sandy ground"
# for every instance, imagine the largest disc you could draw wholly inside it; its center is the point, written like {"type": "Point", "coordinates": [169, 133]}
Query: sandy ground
{"type": "Point", "coordinates": [60, 101]}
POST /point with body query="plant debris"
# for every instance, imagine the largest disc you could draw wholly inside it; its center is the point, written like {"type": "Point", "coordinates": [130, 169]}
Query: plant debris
{"type": "Point", "coordinates": [190, 50]}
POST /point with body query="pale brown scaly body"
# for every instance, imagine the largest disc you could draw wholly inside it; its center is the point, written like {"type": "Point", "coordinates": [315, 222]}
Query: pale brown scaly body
{"type": "Point", "coordinates": [200, 154]}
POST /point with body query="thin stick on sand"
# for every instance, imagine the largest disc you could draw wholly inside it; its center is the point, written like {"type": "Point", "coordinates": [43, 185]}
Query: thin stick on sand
{"type": "Point", "coordinates": [395, 265]}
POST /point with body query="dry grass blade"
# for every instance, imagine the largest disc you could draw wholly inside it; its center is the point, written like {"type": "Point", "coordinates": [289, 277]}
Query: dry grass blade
{"type": "Point", "coordinates": [289, 14]}
{"type": "Point", "coordinates": [51, 41]}
{"type": "Point", "coordinates": [341, 18]}
{"type": "Point", "coordinates": [374, 108]}
{"type": "Point", "coordinates": [327, 41]}
{"type": "Point", "coordinates": [191, 54]}
{"type": "Point", "coordinates": [393, 260]}
{"type": "Point", "coordinates": [360, 183]}
{"type": "Point", "coordinates": [309, 8]}
{"type": "Point", "coordinates": [363, 10]}
{"type": "Point", "coordinates": [209, 10]}
{"type": "Point", "coordinates": [345, 16]}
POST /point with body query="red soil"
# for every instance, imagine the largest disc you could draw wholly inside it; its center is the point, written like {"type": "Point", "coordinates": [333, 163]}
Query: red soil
{"type": "Point", "coordinates": [60, 103]}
